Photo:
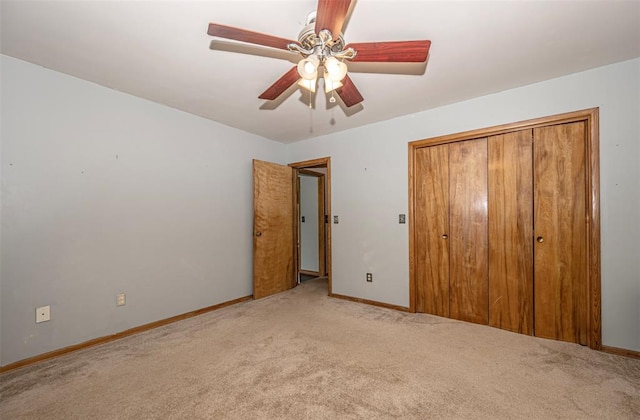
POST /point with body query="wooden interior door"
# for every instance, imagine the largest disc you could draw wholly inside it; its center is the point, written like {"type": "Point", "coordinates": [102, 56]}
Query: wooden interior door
{"type": "Point", "coordinates": [273, 229]}
{"type": "Point", "coordinates": [560, 229]}
{"type": "Point", "coordinates": [432, 224]}
{"type": "Point", "coordinates": [511, 231]}
{"type": "Point", "coordinates": [468, 242]}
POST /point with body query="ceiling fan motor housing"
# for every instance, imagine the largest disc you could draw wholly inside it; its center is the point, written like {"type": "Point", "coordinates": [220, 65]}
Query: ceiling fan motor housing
{"type": "Point", "coordinates": [309, 39]}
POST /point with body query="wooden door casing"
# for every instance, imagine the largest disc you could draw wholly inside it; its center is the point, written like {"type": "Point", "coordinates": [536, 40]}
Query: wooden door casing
{"type": "Point", "coordinates": [324, 164]}
{"type": "Point", "coordinates": [511, 231]}
{"type": "Point", "coordinates": [322, 229]}
{"type": "Point", "coordinates": [560, 250]}
{"type": "Point", "coordinates": [432, 246]}
{"type": "Point", "coordinates": [273, 229]}
{"type": "Point", "coordinates": [468, 240]}
{"type": "Point", "coordinates": [320, 177]}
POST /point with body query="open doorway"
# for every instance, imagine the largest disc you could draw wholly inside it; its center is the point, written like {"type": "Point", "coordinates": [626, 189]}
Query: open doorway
{"type": "Point", "coordinates": [311, 228]}
{"type": "Point", "coordinates": [313, 209]}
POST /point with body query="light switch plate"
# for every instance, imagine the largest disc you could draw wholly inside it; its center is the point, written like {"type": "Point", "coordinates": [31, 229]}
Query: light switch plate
{"type": "Point", "coordinates": [402, 219]}
{"type": "Point", "coordinates": [335, 220]}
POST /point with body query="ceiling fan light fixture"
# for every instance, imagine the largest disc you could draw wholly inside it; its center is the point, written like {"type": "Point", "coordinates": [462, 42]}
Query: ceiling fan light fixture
{"type": "Point", "coordinates": [308, 67]}
{"type": "Point", "coordinates": [335, 69]}
{"type": "Point", "coordinates": [308, 84]}
{"type": "Point", "coordinates": [329, 84]}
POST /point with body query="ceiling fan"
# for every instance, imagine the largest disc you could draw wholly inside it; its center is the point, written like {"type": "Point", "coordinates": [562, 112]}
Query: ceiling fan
{"type": "Point", "coordinates": [322, 47]}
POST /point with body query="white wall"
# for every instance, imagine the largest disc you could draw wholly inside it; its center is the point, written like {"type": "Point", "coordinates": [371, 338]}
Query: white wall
{"type": "Point", "coordinates": [309, 252]}
{"type": "Point", "coordinates": [103, 193]}
{"type": "Point", "coordinates": [370, 186]}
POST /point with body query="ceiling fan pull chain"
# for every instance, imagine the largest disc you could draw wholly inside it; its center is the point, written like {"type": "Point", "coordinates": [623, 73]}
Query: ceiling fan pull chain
{"type": "Point", "coordinates": [310, 115]}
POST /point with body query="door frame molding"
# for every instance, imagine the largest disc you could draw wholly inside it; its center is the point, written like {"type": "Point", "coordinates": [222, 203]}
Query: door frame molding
{"type": "Point", "coordinates": [592, 164]}
{"type": "Point", "coordinates": [321, 224]}
{"type": "Point", "coordinates": [324, 162]}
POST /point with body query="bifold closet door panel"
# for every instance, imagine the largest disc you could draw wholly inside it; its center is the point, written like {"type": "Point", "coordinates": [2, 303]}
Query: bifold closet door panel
{"type": "Point", "coordinates": [468, 248]}
{"type": "Point", "coordinates": [511, 232]}
{"type": "Point", "coordinates": [432, 228]}
{"type": "Point", "coordinates": [560, 248]}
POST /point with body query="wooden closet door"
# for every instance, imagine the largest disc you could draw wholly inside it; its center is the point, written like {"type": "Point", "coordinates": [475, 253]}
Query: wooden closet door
{"type": "Point", "coordinates": [468, 245]}
{"type": "Point", "coordinates": [511, 232]}
{"type": "Point", "coordinates": [560, 230]}
{"type": "Point", "coordinates": [431, 224]}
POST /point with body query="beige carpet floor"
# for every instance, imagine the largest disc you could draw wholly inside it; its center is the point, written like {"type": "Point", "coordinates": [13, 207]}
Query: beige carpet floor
{"type": "Point", "coordinates": [301, 354]}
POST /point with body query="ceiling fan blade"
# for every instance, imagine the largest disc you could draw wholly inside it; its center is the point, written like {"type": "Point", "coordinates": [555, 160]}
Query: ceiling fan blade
{"type": "Point", "coordinates": [280, 85]}
{"type": "Point", "coordinates": [349, 93]}
{"type": "Point", "coordinates": [230, 32]}
{"type": "Point", "coordinates": [393, 52]}
{"type": "Point", "coordinates": [331, 15]}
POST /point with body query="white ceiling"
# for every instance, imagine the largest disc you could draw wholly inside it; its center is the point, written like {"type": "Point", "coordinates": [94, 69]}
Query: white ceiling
{"type": "Point", "coordinates": [160, 50]}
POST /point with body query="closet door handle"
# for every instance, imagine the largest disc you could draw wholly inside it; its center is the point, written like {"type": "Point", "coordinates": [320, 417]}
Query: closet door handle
{"type": "Point", "coordinates": [445, 236]}
{"type": "Point", "coordinates": [258, 233]}
{"type": "Point", "coordinates": [540, 239]}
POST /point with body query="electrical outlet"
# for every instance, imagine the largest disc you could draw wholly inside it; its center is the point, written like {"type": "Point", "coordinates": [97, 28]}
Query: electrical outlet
{"type": "Point", "coordinates": [369, 277]}
{"type": "Point", "coordinates": [121, 299]}
{"type": "Point", "coordinates": [43, 314]}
